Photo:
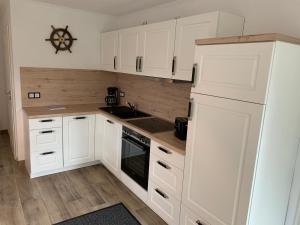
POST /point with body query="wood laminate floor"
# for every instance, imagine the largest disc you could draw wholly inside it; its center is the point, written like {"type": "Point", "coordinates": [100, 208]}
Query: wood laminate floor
{"type": "Point", "coordinates": [54, 198]}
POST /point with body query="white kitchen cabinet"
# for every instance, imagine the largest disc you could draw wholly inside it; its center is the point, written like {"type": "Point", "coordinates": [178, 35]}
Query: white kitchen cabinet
{"type": "Point", "coordinates": [109, 143]}
{"type": "Point", "coordinates": [240, 157]}
{"type": "Point", "coordinates": [131, 43]}
{"type": "Point", "coordinates": [164, 204]}
{"type": "Point", "coordinates": [109, 51]}
{"type": "Point", "coordinates": [222, 145]}
{"type": "Point", "coordinates": [78, 139]}
{"type": "Point", "coordinates": [158, 49]}
{"type": "Point", "coordinates": [165, 49]}
{"type": "Point", "coordinates": [189, 29]}
{"type": "Point", "coordinates": [46, 139]}
{"type": "Point", "coordinates": [43, 143]}
{"type": "Point", "coordinates": [236, 71]}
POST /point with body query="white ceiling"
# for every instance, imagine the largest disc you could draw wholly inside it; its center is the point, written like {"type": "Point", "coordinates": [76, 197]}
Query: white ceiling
{"type": "Point", "coordinates": [112, 7]}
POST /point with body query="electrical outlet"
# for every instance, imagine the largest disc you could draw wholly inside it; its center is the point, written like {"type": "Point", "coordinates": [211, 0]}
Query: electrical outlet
{"type": "Point", "coordinates": [122, 94]}
{"type": "Point", "coordinates": [30, 95]}
{"type": "Point", "coordinates": [37, 95]}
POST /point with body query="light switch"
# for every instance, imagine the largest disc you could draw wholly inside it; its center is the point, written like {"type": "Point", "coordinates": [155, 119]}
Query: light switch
{"type": "Point", "coordinates": [30, 95]}
{"type": "Point", "coordinates": [37, 95]}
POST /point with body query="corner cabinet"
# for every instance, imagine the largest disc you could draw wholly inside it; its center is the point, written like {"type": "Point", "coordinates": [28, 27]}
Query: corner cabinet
{"type": "Point", "coordinates": [164, 49]}
{"type": "Point", "coordinates": [78, 139]}
{"type": "Point", "coordinates": [108, 143]}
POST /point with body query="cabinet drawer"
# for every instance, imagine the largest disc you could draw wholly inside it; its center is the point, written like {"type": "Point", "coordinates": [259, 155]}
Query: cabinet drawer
{"type": "Point", "coordinates": [235, 71]}
{"type": "Point", "coordinates": [167, 155]}
{"type": "Point", "coordinates": [45, 139]}
{"type": "Point", "coordinates": [188, 217]}
{"type": "Point", "coordinates": [164, 204]}
{"type": "Point", "coordinates": [166, 175]}
{"type": "Point", "coordinates": [46, 161]}
{"type": "Point", "coordinates": [44, 123]}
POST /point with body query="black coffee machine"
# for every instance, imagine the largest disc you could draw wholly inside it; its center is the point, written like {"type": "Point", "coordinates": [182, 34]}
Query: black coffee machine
{"type": "Point", "coordinates": [112, 98]}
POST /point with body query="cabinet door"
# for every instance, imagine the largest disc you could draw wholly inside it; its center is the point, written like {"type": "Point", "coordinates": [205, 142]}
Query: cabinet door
{"type": "Point", "coordinates": [99, 133]}
{"type": "Point", "coordinates": [129, 40]}
{"type": "Point", "coordinates": [236, 71]}
{"type": "Point", "coordinates": [222, 143]}
{"type": "Point", "coordinates": [78, 138]}
{"type": "Point", "coordinates": [111, 154]}
{"type": "Point", "coordinates": [109, 51]}
{"type": "Point", "coordinates": [158, 49]}
{"type": "Point", "coordinates": [188, 30]}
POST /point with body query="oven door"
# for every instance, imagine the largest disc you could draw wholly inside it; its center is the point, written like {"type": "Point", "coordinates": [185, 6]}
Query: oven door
{"type": "Point", "coordinates": [135, 160]}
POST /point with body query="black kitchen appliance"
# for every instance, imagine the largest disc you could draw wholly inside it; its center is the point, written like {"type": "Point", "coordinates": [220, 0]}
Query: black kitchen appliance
{"type": "Point", "coordinates": [135, 156]}
{"type": "Point", "coordinates": [181, 125]}
{"type": "Point", "coordinates": [112, 98]}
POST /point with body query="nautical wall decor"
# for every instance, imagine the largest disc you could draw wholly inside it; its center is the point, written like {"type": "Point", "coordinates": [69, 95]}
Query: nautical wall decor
{"type": "Point", "coordinates": [61, 39]}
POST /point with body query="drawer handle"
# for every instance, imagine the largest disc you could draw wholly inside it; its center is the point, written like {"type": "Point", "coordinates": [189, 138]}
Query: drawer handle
{"type": "Point", "coordinates": [198, 222]}
{"type": "Point", "coordinates": [163, 165]}
{"type": "Point", "coordinates": [47, 132]}
{"type": "Point", "coordinates": [194, 73]}
{"type": "Point", "coordinates": [109, 121]}
{"type": "Point", "coordinates": [47, 153]}
{"type": "Point", "coordinates": [164, 150]}
{"type": "Point", "coordinates": [80, 118]}
{"type": "Point", "coordinates": [46, 121]}
{"type": "Point", "coordinates": [161, 193]}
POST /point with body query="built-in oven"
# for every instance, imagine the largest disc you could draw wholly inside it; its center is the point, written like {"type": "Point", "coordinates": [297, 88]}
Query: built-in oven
{"type": "Point", "coordinates": [135, 156]}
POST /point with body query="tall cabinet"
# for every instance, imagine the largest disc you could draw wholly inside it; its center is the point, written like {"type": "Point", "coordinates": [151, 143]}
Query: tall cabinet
{"type": "Point", "coordinates": [244, 132]}
{"type": "Point", "coordinates": [164, 49]}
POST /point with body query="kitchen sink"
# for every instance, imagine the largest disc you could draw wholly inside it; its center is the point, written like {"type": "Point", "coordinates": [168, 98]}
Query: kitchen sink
{"type": "Point", "coordinates": [124, 112]}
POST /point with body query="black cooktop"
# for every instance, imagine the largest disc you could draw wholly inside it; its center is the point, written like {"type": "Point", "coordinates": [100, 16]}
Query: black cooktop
{"type": "Point", "coordinates": [153, 125]}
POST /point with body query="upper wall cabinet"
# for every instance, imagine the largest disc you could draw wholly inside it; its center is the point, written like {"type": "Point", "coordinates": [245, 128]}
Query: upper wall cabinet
{"type": "Point", "coordinates": [164, 49]}
{"type": "Point", "coordinates": [109, 50]}
{"type": "Point", "coordinates": [189, 29]}
{"type": "Point", "coordinates": [130, 46]}
{"type": "Point", "coordinates": [158, 49]}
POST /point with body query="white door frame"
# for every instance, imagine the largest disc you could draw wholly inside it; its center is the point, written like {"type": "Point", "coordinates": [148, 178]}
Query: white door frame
{"type": "Point", "coordinates": [10, 92]}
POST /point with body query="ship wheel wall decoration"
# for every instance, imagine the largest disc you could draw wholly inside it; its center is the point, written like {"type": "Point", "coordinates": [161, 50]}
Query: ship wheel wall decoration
{"type": "Point", "coordinates": [61, 39]}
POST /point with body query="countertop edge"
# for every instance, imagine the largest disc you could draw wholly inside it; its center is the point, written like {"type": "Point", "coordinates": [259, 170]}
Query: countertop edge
{"type": "Point", "coordinates": [154, 136]}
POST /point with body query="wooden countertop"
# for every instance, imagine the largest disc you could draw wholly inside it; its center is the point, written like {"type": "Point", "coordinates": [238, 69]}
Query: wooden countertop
{"type": "Point", "coordinates": [249, 39]}
{"type": "Point", "coordinates": [167, 139]}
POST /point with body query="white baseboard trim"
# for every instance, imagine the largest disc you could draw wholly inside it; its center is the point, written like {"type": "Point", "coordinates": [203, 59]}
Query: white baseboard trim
{"type": "Point", "coordinates": [45, 173]}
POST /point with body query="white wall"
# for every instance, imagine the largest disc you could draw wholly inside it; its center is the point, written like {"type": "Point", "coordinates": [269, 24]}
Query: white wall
{"type": "Point", "coordinates": [262, 16]}
{"type": "Point", "coordinates": [31, 23]}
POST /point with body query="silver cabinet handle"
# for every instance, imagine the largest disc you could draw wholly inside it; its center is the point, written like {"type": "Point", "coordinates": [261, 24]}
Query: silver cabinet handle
{"type": "Point", "coordinates": [109, 121]}
{"type": "Point", "coordinates": [161, 193]}
{"type": "Point", "coordinates": [194, 75]}
{"type": "Point", "coordinates": [174, 65]}
{"type": "Point", "coordinates": [163, 165]}
{"type": "Point", "coordinates": [137, 64]}
{"type": "Point", "coordinates": [141, 64]}
{"type": "Point", "coordinates": [190, 109]}
{"type": "Point", "coordinates": [80, 118]}
{"type": "Point", "coordinates": [47, 153]}
{"type": "Point", "coordinates": [47, 132]}
{"type": "Point", "coordinates": [164, 150]}
{"type": "Point", "coordinates": [115, 62]}
{"type": "Point", "coordinates": [46, 121]}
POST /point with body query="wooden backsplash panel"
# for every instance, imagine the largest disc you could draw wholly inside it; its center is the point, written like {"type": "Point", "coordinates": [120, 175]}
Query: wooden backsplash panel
{"type": "Point", "coordinates": [64, 86]}
{"type": "Point", "coordinates": [159, 97]}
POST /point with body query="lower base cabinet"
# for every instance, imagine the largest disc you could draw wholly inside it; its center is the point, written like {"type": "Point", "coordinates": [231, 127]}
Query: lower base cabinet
{"type": "Point", "coordinates": [188, 217]}
{"type": "Point", "coordinates": [46, 161]}
{"type": "Point", "coordinates": [108, 142]}
{"type": "Point", "coordinates": [164, 204]}
{"type": "Point", "coordinates": [78, 139]}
